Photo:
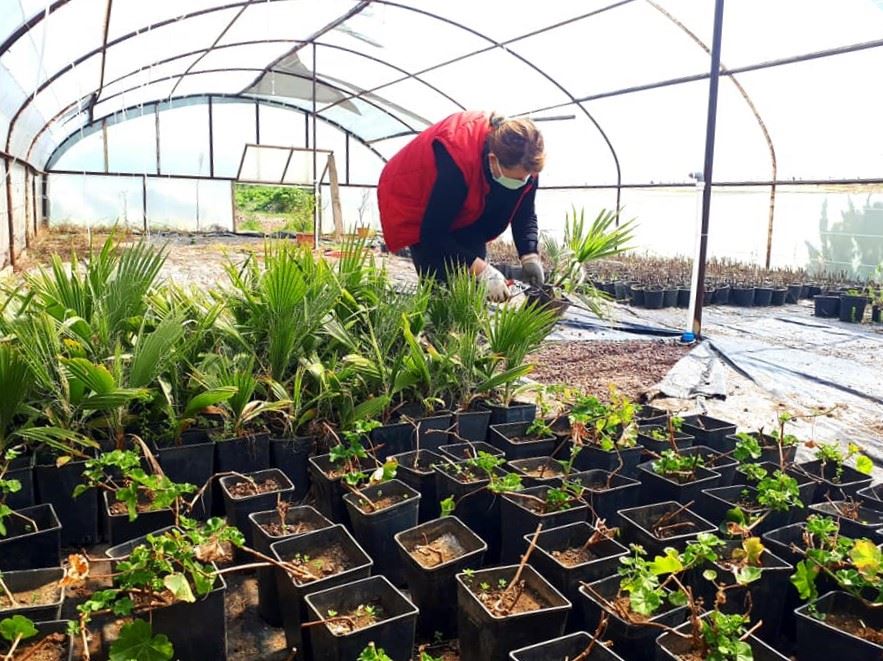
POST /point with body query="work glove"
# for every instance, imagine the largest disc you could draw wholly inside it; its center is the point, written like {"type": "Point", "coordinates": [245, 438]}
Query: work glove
{"type": "Point", "coordinates": [532, 270]}
{"type": "Point", "coordinates": [495, 282]}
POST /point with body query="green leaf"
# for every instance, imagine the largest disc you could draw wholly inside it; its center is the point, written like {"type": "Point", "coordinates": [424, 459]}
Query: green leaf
{"type": "Point", "coordinates": [136, 642]}
{"type": "Point", "coordinates": [179, 586]}
{"type": "Point", "coordinates": [866, 557]}
{"type": "Point", "coordinates": [17, 626]}
{"type": "Point", "coordinates": [677, 598]}
{"type": "Point", "coordinates": [804, 579]}
{"type": "Point", "coordinates": [644, 601]}
{"type": "Point", "coordinates": [709, 575]}
{"type": "Point", "coordinates": [746, 575]}
{"type": "Point", "coordinates": [863, 464]}
{"type": "Point", "coordinates": [447, 506]}
{"type": "Point", "coordinates": [96, 378]}
{"type": "Point", "coordinates": [743, 651]}
{"type": "Point", "coordinates": [753, 548]}
{"type": "Point", "coordinates": [670, 563]}
{"type": "Point", "coordinates": [208, 398]}
{"type": "Point", "coordinates": [370, 408]}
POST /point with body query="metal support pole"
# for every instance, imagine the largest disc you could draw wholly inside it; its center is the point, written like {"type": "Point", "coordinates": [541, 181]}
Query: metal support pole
{"type": "Point", "coordinates": [10, 222]}
{"type": "Point", "coordinates": [697, 289]}
{"type": "Point", "coordinates": [315, 163]}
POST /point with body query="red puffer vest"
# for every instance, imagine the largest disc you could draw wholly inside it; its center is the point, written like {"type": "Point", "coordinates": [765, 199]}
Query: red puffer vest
{"type": "Point", "coordinates": [407, 179]}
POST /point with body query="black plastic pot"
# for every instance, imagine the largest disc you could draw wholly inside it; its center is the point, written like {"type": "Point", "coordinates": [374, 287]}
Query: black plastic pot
{"type": "Point", "coordinates": [432, 431]}
{"type": "Point", "coordinates": [515, 412]}
{"type": "Point", "coordinates": [191, 462]}
{"type": "Point", "coordinates": [669, 297]}
{"type": "Point", "coordinates": [871, 496]}
{"type": "Point", "coordinates": [805, 484]}
{"type": "Point", "coordinates": [26, 548]}
{"type": "Point", "coordinates": [867, 525]}
{"type": "Point", "coordinates": [517, 520]}
{"type": "Point", "coordinates": [248, 454]}
{"type": "Point", "coordinates": [432, 588]}
{"type": "Point", "coordinates": [32, 579]}
{"type": "Point", "coordinates": [461, 451]}
{"type": "Point", "coordinates": [394, 438]}
{"type": "Point", "coordinates": [651, 415]}
{"type": "Point", "coordinates": [529, 469]}
{"type": "Point", "coordinates": [503, 436]}
{"type": "Point", "coordinates": [671, 647]}
{"type": "Point", "coordinates": [636, 295]}
{"type": "Point", "coordinates": [769, 448]}
{"type": "Point", "coordinates": [875, 313]}
{"type": "Point", "coordinates": [45, 629]}
{"type": "Point", "coordinates": [817, 639]}
{"type": "Point", "coordinates": [327, 490]}
{"type": "Point", "coordinates": [567, 578]}
{"type": "Point", "coordinates": [656, 488]}
{"type": "Point", "coordinates": [485, 636]}
{"type": "Point", "coordinates": [238, 508]}
{"type": "Point", "coordinates": [122, 551]}
{"type": "Point", "coordinates": [654, 445]}
{"type": "Point", "coordinates": [779, 296]}
{"type": "Point", "coordinates": [683, 297]}
{"type": "Point", "coordinates": [722, 295]}
{"type": "Point", "coordinates": [197, 630]}
{"type": "Point", "coordinates": [636, 526]}
{"type": "Point", "coordinates": [477, 507]}
{"type": "Point", "coordinates": [416, 470]}
{"type": "Point", "coordinates": [710, 432]}
{"type": "Point", "coordinates": [831, 488]}
{"type": "Point", "coordinates": [811, 291]}
{"type": "Point", "coordinates": [653, 298]}
{"type": "Point", "coordinates": [290, 456]}
{"type": "Point", "coordinates": [374, 529]}
{"type": "Point", "coordinates": [565, 648]}
{"type": "Point", "coordinates": [21, 469]}
{"type": "Point", "coordinates": [394, 633]}
{"type": "Point", "coordinates": [620, 290]}
{"type": "Point", "coordinates": [708, 295]}
{"type": "Point", "coordinates": [722, 464]}
{"type": "Point", "coordinates": [826, 306]}
{"type": "Point", "coordinates": [78, 516]}
{"type": "Point", "coordinates": [742, 296]}
{"type": "Point", "coordinates": [300, 521]}
{"type": "Point", "coordinates": [713, 504]}
{"type": "Point", "coordinates": [793, 293]}
{"type": "Point", "coordinates": [852, 308]}
{"type": "Point", "coordinates": [472, 425]}
{"type": "Point", "coordinates": [292, 591]}
{"type": "Point", "coordinates": [630, 640]}
{"type": "Point", "coordinates": [763, 296]}
{"type": "Point", "coordinates": [623, 461]}
{"type": "Point", "coordinates": [118, 528]}
{"type": "Point", "coordinates": [606, 493]}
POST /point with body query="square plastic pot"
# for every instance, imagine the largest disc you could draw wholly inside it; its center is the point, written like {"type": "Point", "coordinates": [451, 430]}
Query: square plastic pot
{"type": "Point", "coordinates": [78, 516]}
{"type": "Point", "coordinates": [871, 496]}
{"type": "Point", "coordinates": [868, 524]}
{"type": "Point", "coordinates": [477, 507]}
{"type": "Point", "coordinates": [515, 412]}
{"type": "Point", "coordinates": [530, 469]}
{"type": "Point", "coordinates": [564, 648]}
{"type": "Point", "coordinates": [817, 639]}
{"type": "Point", "coordinates": [26, 548]}
{"type": "Point", "coordinates": [472, 425]}
{"type": "Point", "coordinates": [292, 591]}
{"type": "Point", "coordinates": [21, 469]}
{"type": "Point", "coordinates": [710, 432]}
{"type": "Point", "coordinates": [301, 520]}
{"type": "Point", "coordinates": [568, 578]}
{"type": "Point", "coordinates": [192, 462]}
{"type": "Point", "coordinates": [44, 629]}
{"type": "Point", "coordinates": [327, 490]}
{"type": "Point", "coordinates": [805, 484]}
{"type": "Point", "coordinates": [714, 504]}
{"type": "Point", "coordinates": [636, 526]}
{"type": "Point", "coordinates": [461, 451]}
{"type": "Point", "coordinates": [486, 636]}
{"type": "Point", "coordinates": [394, 633]}
{"type": "Point", "coordinates": [769, 449]}
{"type": "Point", "coordinates": [247, 454]}
{"type": "Point", "coordinates": [290, 456]}
{"type": "Point", "coordinates": [503, 436]}
{"type": "Point", "coordinates": [433, 588]}
{"type": "Point", "coordinates": [831, 488]}
{"type": "Point", "coordinates": [197, 630]}
{"type": "Point", "coordinates": [393, 438]}
{"type": "Point", "coordinates": [720, 463]}
{"type": "Point", "coordinates": [432, 431]}
{"type": "Point", "coordinates": [375, 528]}
{"type": "Point", "coordinates": [416, 470]}
{"type": "Point", "coordinates": [119, 528]}
{"type": "Point", "coordinates": [670, 646]}
{"type": "Point", "coordinates": [654, 445]}
{"type": "Point", "coordinates": [622, 461]}
{"type": "Point", "coordinates": [31, 579]}
{"type": "Point", "coordinates": [238, 508]}
{"type": "Point", "coordinates": [607, 493]}
{"type": "Point", "coordinates": [651, 415]}
{"type": "Point", "coordinates": [631, 641]}
{"type": "Point", "coordinates": [656, 488]}
{"type": "Point", "coordinates": [517, 520]}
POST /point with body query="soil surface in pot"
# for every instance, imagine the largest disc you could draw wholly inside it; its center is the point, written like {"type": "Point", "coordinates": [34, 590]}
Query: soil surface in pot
{"type": "Point", "coordinates": [447, 651]}
{"type": "Point", "coordinates": [681, 477]}
{"type": "Point", "coordinates": [574, 556]}
{"type": "Point", "coordinates": [49, 648]}
{"type": "Point", "coordinates": [440, 550]}
{"type": "Point", "coordinates": [364, 615]}
{"type": "Point", "coordinates": [145, 504]}
{"type": "Point", "coordinates": [261, 485]}
{"type": "Point", "coordinates": [502, 601]}
{"type": "Point", "coordinates": [279, 529]}
{"type": "Point", "coordinates": [45, 594]}
{"type": "Point", "coordinates": [329, 561]}
{"type": "Point", "coordinates": [544, 471]}
{"type": "Point", "coordinates": [538, 506]}
{"type": "Point", "coordinates": [672, 525]}
{"type": "Point", "coordinates": [852, 624]}
{"type": "Point", "coordinates": [369, 506]}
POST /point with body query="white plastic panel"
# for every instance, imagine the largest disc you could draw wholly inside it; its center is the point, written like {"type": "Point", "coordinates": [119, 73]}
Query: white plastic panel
{"type": "Point", "coordinates": [134, 15]}
{"type": "Point", "coordinates": [183, 140]}
{"type": "Point", "coordinates": [356, 70]}
{"type": "Point", "coordinates": [85, 155]}
{"type": "Point", "coordinates": [300, 168]}
{"type": "Point", "coordinates": [131, 144]}
{"type": "Point", "coordinates": [257, 56]}
{"type": "Point", "coordinates": [19, 206]}
{"type": "Point", "coordinates": [287, 19]}
{"type": "Point", "coordinates": [145, 75]}
{"type": "Point", "coordinates": [234, 127]}
{"type": "Point", "coordinates": [95, 200]}
{"type": "Point", "coordinates": [414, 102]}
{"type": "Point", "coordinates": [281, 126]}
{"type": "Point", "coordinates": [189, 205]}
{"type": "Point", "coordinates": [221, 82]}
{"type": "Point", "coordinates": [365, 165]}
{"type": "Point", "coordinates": [15, 13]}
{"type": "Point", "coordinates": [263, 164]}
{"type": "Point", "coordinates": [576, 154]}
{"type": "Point", "coordinates": [365, 120]}
{"type": "Point", "coordinates": [155, 91]}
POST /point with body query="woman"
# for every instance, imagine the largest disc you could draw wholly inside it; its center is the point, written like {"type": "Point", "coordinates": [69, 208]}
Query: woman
{"type": "Point", "coordinates": [458, 185]}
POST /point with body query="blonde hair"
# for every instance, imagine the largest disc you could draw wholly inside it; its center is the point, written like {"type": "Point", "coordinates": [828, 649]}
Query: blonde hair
{"type": "Point", "coordinates": [516, 142]}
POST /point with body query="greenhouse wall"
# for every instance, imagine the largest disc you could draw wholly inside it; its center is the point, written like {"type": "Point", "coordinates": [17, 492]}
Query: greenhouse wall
{"type": "Point", "coordinates": [20, 185]}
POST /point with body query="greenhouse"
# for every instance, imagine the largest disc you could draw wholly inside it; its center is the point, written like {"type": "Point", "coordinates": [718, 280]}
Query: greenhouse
{"type": "Point", "coordinates": [371, 330]}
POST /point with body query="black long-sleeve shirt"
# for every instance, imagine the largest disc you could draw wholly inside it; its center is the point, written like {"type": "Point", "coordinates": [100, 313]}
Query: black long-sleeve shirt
{"type": "Point", "coordinates": [446, 200]}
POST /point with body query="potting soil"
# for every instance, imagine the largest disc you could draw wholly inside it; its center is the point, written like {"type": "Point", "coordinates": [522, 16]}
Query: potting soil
{"type": "Point", "coordinates": [510, 602]}
{"type": "Point", "coordinates": [440, 550]}
{"type": "Point", "coordinates": [39, 596]}
{"type": "Point", "coordinates": [49, 648]}
{"type": "Point", "coordinates": [855, 626]}
{"type": "Point", "coordinates": [364, 615]}
{"type": "Point", "coordinates": [245, 489]}
{"type": "Point", "coordinates": [327, 562]}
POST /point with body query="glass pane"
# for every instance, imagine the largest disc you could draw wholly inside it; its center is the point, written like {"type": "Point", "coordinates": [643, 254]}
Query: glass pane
{"type": "Point", "coordinates": [234, 126]}
{"type": "Point", "coordinates": [281, 126]}
{"type": "Point", "coordinates": [94, 200]}
{"type": "Point", "coordinates": [183, 140]}
{"type": "Point", "coordinates": [509, 85]}
{"type": "Point", "coordinates": [131, 144]}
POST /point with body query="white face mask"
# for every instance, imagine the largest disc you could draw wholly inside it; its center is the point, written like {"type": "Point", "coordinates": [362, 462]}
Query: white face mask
{"type": "Point", "coordinates": [507, 182]}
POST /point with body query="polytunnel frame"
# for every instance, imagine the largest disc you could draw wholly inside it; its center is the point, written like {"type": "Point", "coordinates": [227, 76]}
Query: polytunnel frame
{"type": "Point", "coordinates": [493, 44]}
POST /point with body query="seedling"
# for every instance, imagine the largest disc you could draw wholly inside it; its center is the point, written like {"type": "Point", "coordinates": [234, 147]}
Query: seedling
{"type": "Point", "coordinates": [483, 467]}
{"type": "Point", "coordinates": [834, 454]}
{"type": "Point", "coordinates": [14, 630]}
{"type": "Point", "coordinates": [679, 467]}
{"type": "Point", "coordinates": [372, 653]}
